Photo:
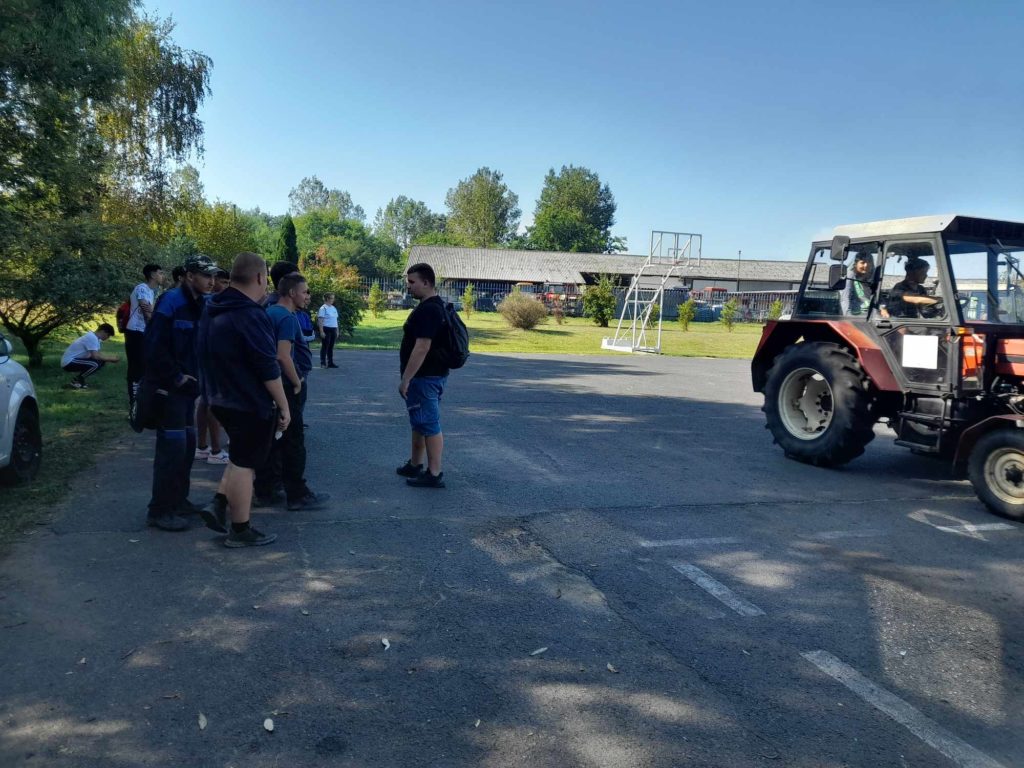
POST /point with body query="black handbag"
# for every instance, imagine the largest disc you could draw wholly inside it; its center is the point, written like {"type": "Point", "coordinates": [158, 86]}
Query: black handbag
{"type": "Point", "coordinates": [148, 410]}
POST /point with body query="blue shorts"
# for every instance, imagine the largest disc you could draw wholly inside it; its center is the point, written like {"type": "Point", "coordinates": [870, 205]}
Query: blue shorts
{"type": "Point", "coordinates": [423, 403]}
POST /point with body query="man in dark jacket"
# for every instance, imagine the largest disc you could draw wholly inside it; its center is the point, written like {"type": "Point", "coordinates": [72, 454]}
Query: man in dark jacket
{"type": "Point", "coordinates": [242, 384]}
{"type": "Point", "coordinates": [172, 366]}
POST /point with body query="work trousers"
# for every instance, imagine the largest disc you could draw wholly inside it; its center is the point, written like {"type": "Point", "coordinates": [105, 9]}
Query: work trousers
{"type": "Point", "coordinates": [175, 450]}
{"type": "Point", "coordinates": [327, 346]}
{"type": "Point", "coordinates": [287, 461]}
{"type": "Point", "coordinates": [135, 355]}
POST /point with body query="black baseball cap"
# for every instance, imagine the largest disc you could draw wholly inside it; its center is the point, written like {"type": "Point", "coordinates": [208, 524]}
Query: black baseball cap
{"type": "Point", "coordinates": [201, 264]}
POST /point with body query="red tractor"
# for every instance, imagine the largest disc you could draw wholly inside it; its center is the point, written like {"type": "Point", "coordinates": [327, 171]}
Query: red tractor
{"type": "Point", "coordinates": [917, 323]}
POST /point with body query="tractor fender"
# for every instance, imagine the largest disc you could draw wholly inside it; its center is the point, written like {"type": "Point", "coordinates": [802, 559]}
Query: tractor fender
{"type": "Point", "coordinates": [776, 336]}
{"type": "Point", "coordinates": [973, 434]}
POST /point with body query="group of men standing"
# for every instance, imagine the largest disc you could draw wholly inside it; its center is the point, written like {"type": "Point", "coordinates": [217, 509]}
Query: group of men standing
{"type": "Point", "coordinates": [245, 355]}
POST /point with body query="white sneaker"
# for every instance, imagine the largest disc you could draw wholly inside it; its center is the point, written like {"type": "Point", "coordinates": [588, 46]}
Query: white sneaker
{"type": "Point", "coordinates": [202, 453]}
{"type": "Point", "coordinates": [217, 458]}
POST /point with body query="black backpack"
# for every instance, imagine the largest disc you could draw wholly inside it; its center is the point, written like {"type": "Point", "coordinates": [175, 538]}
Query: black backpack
{"type": "Point", "coordinates": [453, 351]}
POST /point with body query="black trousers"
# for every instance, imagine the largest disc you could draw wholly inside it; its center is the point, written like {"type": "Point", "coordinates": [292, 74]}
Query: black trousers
{"type": "Point", "coordinates": [175, 450]}
{"type": "Point", "coordinates": [287, 461]}
{"type": "Point", "coordinates": [327, 346]}
{"type": "Point", "coordinates": [135, 354]}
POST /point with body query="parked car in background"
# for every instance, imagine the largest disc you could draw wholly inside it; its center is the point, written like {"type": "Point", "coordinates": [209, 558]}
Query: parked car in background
{"type": "Point", "coordinates": [21, 440]}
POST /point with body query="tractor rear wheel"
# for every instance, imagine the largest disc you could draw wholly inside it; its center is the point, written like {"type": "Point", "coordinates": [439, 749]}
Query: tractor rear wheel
{"type": "Point", "coordinates": [996, 470]}
{"type": "Point", "coordinates": [818, 404]}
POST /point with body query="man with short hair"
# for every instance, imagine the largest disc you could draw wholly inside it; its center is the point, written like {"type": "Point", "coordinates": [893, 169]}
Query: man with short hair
{"type": "Point", "coordinates": [140, 311]}
{"type": "Point", "coordinates": [423, 380]}
{"type": "Point", "coordinates": [83, 355]}
{"type": "Point", "coordinates": [288, 456]}
{"type": "Point", "coordinates": [172, 366]}
{"type": "Point", "coordinates": [909, 297]}
{"type": "Point", "coordinates": [242, 384]}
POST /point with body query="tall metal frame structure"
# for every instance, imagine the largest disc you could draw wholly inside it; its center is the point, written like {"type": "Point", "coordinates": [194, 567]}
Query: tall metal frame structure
{"type": "Point", "coordinates": [674, 250]}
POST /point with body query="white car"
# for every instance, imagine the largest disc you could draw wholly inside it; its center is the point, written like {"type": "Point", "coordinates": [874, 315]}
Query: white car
{"type": "Point", "coordinates": [21, 442]}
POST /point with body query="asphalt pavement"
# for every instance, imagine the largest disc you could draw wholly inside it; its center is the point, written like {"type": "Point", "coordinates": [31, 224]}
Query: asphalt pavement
{"type": "Point", "coordinates": [622, 571]}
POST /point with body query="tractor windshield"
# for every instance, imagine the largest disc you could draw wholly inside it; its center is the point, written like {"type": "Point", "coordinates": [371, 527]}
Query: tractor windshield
{"type": "Point", "coordinates": [989, 279]}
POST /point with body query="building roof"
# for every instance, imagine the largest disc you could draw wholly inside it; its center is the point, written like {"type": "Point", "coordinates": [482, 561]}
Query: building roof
{"type": "Point", "coordinates": [505, 265]}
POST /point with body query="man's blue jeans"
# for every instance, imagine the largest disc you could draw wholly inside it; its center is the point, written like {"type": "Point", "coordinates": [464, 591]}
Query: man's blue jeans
{"type": "Point", "coordinates": [175, 450]}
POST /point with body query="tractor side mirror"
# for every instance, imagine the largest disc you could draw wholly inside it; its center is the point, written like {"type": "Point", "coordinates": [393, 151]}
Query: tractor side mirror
{"type": "Point", "coordinates": [836, 277]}
{"type": "Point", "coordinates": [840, 244]}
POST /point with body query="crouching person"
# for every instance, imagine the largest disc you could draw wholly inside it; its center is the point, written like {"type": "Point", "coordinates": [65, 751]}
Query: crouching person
{"type": "Point", "coordinates": [242, 384]}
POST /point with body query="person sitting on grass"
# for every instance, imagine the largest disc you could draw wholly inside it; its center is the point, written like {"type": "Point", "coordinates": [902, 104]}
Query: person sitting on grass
{"type": "Point", "coordinates": [83, 355]}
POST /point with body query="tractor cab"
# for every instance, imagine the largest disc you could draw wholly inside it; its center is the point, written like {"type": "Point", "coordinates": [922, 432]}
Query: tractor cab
{"type": "Point", "coordinates": [926, 316]}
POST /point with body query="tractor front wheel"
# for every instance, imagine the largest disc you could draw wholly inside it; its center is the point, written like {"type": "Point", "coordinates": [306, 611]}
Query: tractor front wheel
{"type": "Point", "coordinates": [817, 402]}
{"type": "Point", "coordinates": [996, 470]}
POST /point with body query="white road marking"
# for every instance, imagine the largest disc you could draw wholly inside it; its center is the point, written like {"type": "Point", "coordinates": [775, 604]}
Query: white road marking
{"type": "Point", "coordinates": [718, 589]}
{"type": "Point", "coordinates": [691, 542]}
{"type": "Point", "coordinates": [972, 528]}
{"type": "Point", "coordinates": [830, 535]}
{"type": "Point", "coordinates": [930, 732]}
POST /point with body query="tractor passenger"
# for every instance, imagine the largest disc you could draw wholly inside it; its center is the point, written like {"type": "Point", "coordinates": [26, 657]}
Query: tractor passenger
{"type": "Point", "coordinates": [856, 298]}
{"type": "Point", "coordinates": [909, 297]}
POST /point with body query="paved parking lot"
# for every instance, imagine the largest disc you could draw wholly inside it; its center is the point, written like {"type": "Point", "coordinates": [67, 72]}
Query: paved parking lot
{"type": "Point", "coordinates": [623, 571]}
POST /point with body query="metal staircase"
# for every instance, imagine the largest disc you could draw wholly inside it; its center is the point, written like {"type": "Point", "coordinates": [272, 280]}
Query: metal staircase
{"type": "Point", "coordinates": [670, 252]}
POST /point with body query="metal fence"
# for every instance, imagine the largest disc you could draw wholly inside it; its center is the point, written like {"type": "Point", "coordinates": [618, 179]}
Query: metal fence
{"type": "Point", "coordinates": [753, 306]}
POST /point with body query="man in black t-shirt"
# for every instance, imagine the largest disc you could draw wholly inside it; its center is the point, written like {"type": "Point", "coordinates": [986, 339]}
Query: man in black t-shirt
{"type": "Point", "coordinates": [909, 297]}
{"type": "Point", "coordinates": [423, 379]}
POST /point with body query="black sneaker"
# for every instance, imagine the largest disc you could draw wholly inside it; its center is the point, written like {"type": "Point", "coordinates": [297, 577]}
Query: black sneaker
{"type": "Point", "coordinates": [167, 522]}
{"type": "Point", "coordinates": [332, 365]}
{"type": "Point", "coordinates": [309, 502]}
{"type": "Point", "coordinates": [215, 515]}
{"type": "Point", "coordinates": [250, 537]}
{"type": "Point", "coordinates": [409, 469]}
{"type": "Point", "coordinates": [267, 501]}
{"type": "Point", "coordinates": [186, 507]}
{"type": "Point", "coordinates": [427, 480]}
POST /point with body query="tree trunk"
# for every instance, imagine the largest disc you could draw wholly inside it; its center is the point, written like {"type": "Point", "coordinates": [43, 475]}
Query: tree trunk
{"type": "Point", "coordinates": [33, 346]}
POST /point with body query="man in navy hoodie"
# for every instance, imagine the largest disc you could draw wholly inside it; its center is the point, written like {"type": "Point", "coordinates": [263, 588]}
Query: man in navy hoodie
{"type": "Point", "coordinates": [242, 384]}
{"type": "Point", "coordinates": [172, 366]}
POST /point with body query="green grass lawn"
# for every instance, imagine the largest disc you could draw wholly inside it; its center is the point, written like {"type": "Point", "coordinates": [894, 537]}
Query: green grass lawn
{"type": "Point", "coordinates": [488, 332]}
{"type": "Point", "coordinates": [76, 426]}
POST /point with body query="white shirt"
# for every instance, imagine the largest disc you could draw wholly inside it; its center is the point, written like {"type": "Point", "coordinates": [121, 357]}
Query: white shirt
{"type": "Point", "coordinates": [81, 347]}
{"type": "Point", "coordinates": [137, 320]}
{"type": "Point", "coordinates": [328, 314]}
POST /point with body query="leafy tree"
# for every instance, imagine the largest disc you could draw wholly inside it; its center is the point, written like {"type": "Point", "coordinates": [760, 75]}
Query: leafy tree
{"type": "Point", "coordinates": [775, 310]}
{"type": "Point", "coordinates": [654, 316]}
{"type": "Point", "coordinates": [575, 212]}
{"type": "Point", "coordinates": [730, 310]}
{"type": "Point", "coordinates": [222, 232]}
{"type": "Point", "coordinates": [312, 195]}
{"type": "Point", "coordinates": [403, 220]}
{"type": "Point", "coordinates": [377, 302]}
{"type": "Point", "coordinates": [151, 125]}
{"type": "Point", "coordinates": [349, 242]}
{"type": "Point", "coordinates": [95, 104]}
{"type": "Point", "coordinates": [325, 275]}
{"type": "Point", "coordinates": [482, 211]}
{"type": "Point", "coordinates": [599, 301]}
{"type": "Point", "coordinates": [687, 311]}
{"type": "Point", "coordinates": [438, 238]}
{"type": "Point", "coordinates": [286, 249]}
{"type": "Point", "coordinates": [468, 300]}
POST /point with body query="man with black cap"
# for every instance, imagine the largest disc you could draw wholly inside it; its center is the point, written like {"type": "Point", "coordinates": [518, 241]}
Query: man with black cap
{"type": "Point", "coordinates": [909, 297]}
{"type": "Point", "coordinates": [172, 367]}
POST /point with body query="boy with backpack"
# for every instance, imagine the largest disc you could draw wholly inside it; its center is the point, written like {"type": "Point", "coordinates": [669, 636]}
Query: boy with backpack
{"type": "Point", "coordinates": [434, 340]}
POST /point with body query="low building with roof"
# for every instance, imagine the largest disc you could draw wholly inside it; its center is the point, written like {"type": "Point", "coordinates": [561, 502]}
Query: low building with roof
{"type": "Point", "coordinates": [499, 269]}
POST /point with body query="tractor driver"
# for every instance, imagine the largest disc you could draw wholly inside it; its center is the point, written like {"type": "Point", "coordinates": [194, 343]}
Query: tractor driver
{"type": "Point", "coordinates": [909, 297]}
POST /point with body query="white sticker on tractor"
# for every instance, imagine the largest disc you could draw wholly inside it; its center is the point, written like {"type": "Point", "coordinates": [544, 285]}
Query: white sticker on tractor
{"type": "Point", "coordinates": [921, 352]}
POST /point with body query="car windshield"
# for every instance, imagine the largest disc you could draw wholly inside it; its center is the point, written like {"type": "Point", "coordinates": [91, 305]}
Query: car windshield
{"type": "Point", "coordinates": [989, 279]}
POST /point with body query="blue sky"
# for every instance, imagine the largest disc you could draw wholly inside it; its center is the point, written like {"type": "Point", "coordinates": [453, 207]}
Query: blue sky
{"type": "Point", "coordinates": [759, 125]}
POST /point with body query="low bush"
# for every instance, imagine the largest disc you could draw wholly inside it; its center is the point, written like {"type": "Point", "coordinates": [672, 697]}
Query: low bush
{"type": "Point", "coordinates": [687, 311]}
{"type": "Point", "coordinates": [522, 311]}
